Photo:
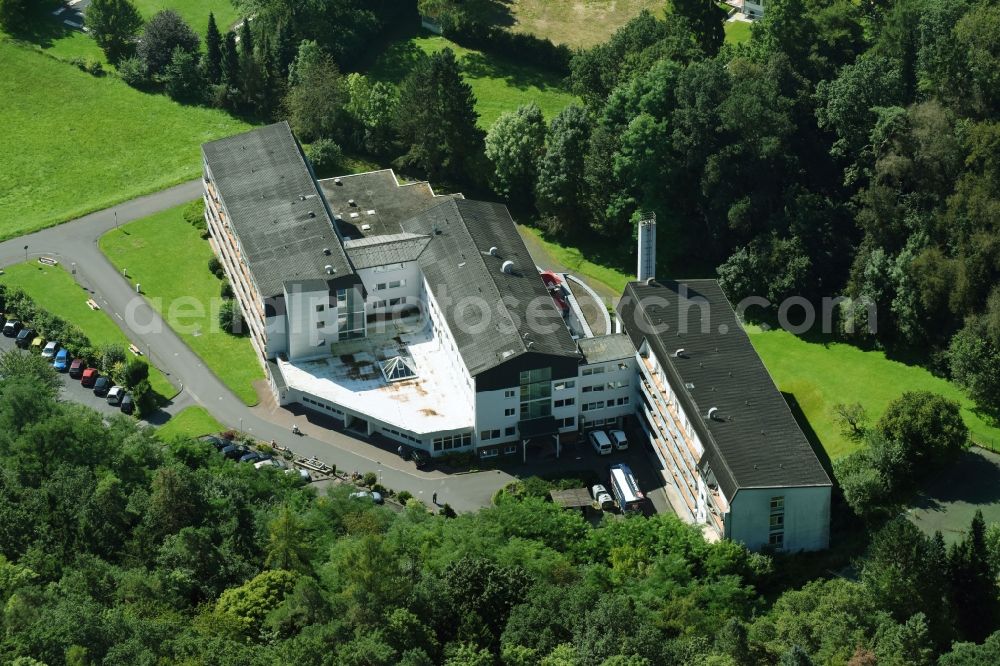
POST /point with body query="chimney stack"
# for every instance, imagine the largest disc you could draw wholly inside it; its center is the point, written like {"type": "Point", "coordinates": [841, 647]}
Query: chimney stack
{"type": "Point", "coordinates": [647, 247]}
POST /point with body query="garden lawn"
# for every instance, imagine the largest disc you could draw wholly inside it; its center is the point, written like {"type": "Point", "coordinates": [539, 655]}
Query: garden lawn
{"type": "Point", "coordinates": [55, 290]}
{"type": "Point", "coordinates": [821, 375]}
{"type": "Point", "coordinates": [498, 84]}
{"type": "Point", "coordinates": [168, 257]}
{"type": "Point", "coordinates": [190, 422]}
{"type": "Point", "coordinates": [195, 12]}
{"type": "Point", "coordinates": [737, 32]}
{"type": "Point", "coordinates": [76, 143]}
{"type": "Point", "coordinates": [577, 23]}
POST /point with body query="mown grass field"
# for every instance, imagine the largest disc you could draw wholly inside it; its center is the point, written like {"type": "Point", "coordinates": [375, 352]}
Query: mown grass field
{"type": "Point", "coordinates": [195, 12]}
{"type": "Point", "coordinates": [55, 290]}
{"type": "Point", "coordinates": [821, 375]}
{"type": "Point", "coordinates": [499, 85]}
{"type": "Point", "coordinates": [189, 422]}
{"type": "Point", "coordinates": [737, 32]}
{"type": "Point", "coordinates": [168, 257]}
{"type": "Point", "coordinates": [75, 143]}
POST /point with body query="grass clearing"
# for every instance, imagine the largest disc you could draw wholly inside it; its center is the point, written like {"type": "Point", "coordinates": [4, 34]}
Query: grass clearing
{"type": "Point", "coordinates": [577, 23]}
{"type": "Point", "coordinates": [168, 257]}
{"type": "Point", "coordinates": [737, 32]}
{"type": "Point", "coordinates": [821, 375]}
{"type": "Point", "coordinates": [577, 261]}
{"type": "Point", "coordinates": [195, 12]}
{"type": "Point", "coordinates": [188, 423]}
{"type": "Point", "coordinates": [55, 290]}
{"type": "Point", "coordinates": [85, 143]}
{"type": "Point", "coordinates": [498, 84]}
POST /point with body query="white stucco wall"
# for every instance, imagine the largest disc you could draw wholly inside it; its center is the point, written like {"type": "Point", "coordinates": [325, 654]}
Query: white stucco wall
{"type": "Point", "coordinates": [807, 517]}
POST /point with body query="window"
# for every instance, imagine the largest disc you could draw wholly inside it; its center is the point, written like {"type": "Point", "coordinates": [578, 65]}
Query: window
{"type": "Point", "coordinates": [509, 431]}
{"type": "Point", "coordinates": [451, 442]}
{"type": "Point", "coordinates": [487, 435]}
{"type": "Point", "coordinates": [566, 402]}
{"type": "Point", "coordinates": [777, 504]}
{"type": "Point", "coordinates": [776, 539]}
{"type": "Point", "coordinates": [320, 324]}
{"type": "Point", "coordinates": [510, 448]}
{"type": "Point", "coordinates": [622, 401]}
{"type": "Point", "coordinates": [567, 422]}
{"type": "Point", "coordinates": [562, 386]}
{"type": "Point", "coordinates": [380, 286]}
{"type": "Point", "coordinates": [598, 370]}
{"type": "Point", "coordinates": [393, 284]}
{"type": "Point", "coordinates": [536, 393]}
{"type": "Point", "coordinates": [509, 393]}
{"type": "Point", "coordinates": [611, 403]}
{"type": "Point", "coordinates": [396, 301]}
{"type": "Point", "coordinates": [342, 322]}
{"type": "Point", "coordinates": [618, 384]}
{"type": "Point", "coordinates": [777, 521]}
{"type": "Point", "coordinates": [341, 296]}
{"type": "Point", "coordinates": [590, 406]}
{"type": "Point", "coordinates": [596, 388]}
{"type": "Point", "coordinates": [320, 307]}
{"type": "Point", "coordinates": [509, 411]}
{"type": "Point", "coordinates": [489, 453]}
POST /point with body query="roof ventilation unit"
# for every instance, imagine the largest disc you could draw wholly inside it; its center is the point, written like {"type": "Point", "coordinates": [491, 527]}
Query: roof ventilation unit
{"type": "Point", "coordinates": [351, 202]}
{"type": "Point", "coordinates": [712, 413]}
{"type": "Point", "coordinates": [329, 269]}
{"type": "Point", "coordinates": [326, 251]}
{"type": "Point", "coordinates": [494, 251]}
{"type": "Point", "coordinates": [312, 213]}
{"type": "Point", "coordinates": [679, 353]}
{"type": "Point", "coordinates": [338, 181]}
{"type": "Point", "coordinates": [508, 267]}
{"type": "Point", "coordinates": [530, 344]}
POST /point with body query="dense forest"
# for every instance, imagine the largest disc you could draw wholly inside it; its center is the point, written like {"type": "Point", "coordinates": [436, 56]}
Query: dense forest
{"type": "Point", "coordinates": [117, 548]}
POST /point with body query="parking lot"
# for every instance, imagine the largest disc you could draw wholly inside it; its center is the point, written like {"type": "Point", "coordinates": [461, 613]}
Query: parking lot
{"type": "Point", "coordinates": [71, 388]}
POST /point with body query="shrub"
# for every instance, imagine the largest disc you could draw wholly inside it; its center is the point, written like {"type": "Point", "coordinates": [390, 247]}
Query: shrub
{"type": "Point", "coordinates": [226, 291]}
{"type": "Point", "coordinates": [404, 496]}
{"type": "Point", "coordinates": [325, 155]}
{"type": "Point", "coordinates": [133, 72]}
{"type": "Point", "coordinates": [369, 479]}
{"type": "Point", "coordinates": [95, 68]}
{"type": "Point", "coordinates": [230, 318]}
{"type": "Point", "coordinates": [79, 63]}
{"type": "Point", "coordinates": [215, 267]}
{"type": "Point", "coordinates": [194, 212]}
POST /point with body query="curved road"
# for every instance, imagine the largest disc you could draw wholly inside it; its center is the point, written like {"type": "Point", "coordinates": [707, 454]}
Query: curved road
{"type": "Point", "coordinates": [76, 243]}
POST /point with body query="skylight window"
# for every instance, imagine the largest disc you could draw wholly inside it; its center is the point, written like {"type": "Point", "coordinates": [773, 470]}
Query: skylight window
{"type": "Point", "coordinates": [397, 369]}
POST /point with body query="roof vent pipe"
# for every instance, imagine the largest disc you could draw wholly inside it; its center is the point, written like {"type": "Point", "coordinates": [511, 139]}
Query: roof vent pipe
{"type": "Point", "coordinates": [679, 353]}
{"type": "Point", "coordinates": [326, 251]}
{"type": "Point", "coordinates": [329, 269]}
{"type": "Point", "coordinates": [508, 267]}
{"type": "Point", "coordinates": [712, 412]}
{"type": "Point", "coordinates": [494, 251]}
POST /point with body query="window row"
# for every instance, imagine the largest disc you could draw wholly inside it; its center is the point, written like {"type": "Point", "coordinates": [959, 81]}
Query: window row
{"type": "Point", "coordinates": [391, 284]}
{"type": "Point", "coordinates": [452, 442]}
{"type": "Point", "coordinates": [385, 303]}
{"type": "Point", "coordinates": [329, 408]}
{"type": "Point", "coordinates": [566, 402]}
{"type": "Point", "coordinates": [600, 404]}
{"type": "Point", "coordinates": [404, 435]}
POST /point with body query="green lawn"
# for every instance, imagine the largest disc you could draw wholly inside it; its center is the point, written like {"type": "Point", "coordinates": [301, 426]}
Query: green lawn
{"type": "Point", "coordinates": [190, 422]}
{"type": "Point", "coordinates": [737, 32]}
{"type": "Point", "coordinates": [821, 375]}
{"type": "Point", "coordinates": [499, 85]}
{"type": "Point", "coordinates": [167, 256]}
{"type": "Point", "coordinates": [195, 12]}
{"type": "Point", "coordinates": [55, 290]}
{"type": "Point", "coordinates": [578, 262]}
{"type": "Point", "coordinates": [76, 143]}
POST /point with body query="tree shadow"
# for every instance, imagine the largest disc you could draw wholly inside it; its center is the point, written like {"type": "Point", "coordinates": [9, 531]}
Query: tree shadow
{"type": "Point", "coordinates": [809, 432]}
{"type": "Point", "coordinates": [397, 60]}
{"type": "Point", "coordinates": [491, 12]}
{"type": "Point", "coordinates": [43, 31]}
{"type": "Point", "coordinates": [479, 65]}
{"type": "Point", "coordinates": [974, 479]}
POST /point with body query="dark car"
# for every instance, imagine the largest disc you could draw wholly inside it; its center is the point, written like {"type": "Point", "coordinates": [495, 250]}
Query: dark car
{"type": "Point", "coordinates": [235, 451]}
{"type": "Point", "coordinates": [88, 377]}
{"type": "Point", "coordinates": [127, 405]}
{"type": "Point", "coordinates": [251, 457]}
{"type": "Point", "coordinates": [102, 386]}
{"type": "Point", "coordinates": [24, 338]}
{"type": "Point", "coordinates": [217, 442]}
{"type": "Point", "coordinates": [76, 368]}
{"type": "Point", "coordinates": [11, 328]}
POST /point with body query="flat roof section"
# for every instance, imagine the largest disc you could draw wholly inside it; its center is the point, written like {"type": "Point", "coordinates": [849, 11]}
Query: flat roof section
{"type": "Point", "coordinates": [276, 208]}
{"type": "Point", "coordinates": [605, 348]}
{"type": "Point", "coordinates": [381, 202]}
{"type": "Point", "coordinates": [353, 379]}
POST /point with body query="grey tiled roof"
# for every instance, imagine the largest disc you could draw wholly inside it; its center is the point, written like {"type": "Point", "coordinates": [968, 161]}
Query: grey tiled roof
{"type": "Point", "coordinates": [606, 348]}
{"type": "Point", "coordinates": [461, 272]}
{"type": "Point", "coordinates": [754, 441]}
{"type": "Point", "coordinates": [276, 208]}
{"type": "Point", "coordinates": [385, 250]}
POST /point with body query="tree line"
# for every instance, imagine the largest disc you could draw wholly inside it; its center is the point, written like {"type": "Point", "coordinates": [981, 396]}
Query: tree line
{"type": "Point", "coordinates": [119, 548]}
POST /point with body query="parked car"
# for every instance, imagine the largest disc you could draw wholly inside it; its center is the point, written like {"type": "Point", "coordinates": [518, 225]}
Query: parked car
{"type": "Point", "coordinates": [88, 377]}
{"type": "Point", "coordinates": [619, 439]}
{"type": "Point", "coordinates": [301, 473]}
{"type": "Point", "coordinates": [102, 386]}
{"type": "Point", "coordinates": [602, 497]}
{"type": "Point", "coordinates": [77, 367]}
{"type": "Point", "coordinates": [115, 395]}
{"type": "Point", "coordinates": [251, 457]}
{"type": "Point", "coordinates": [37, 344]}
{"type": "Point", "coordinates": [267, 462]}
{"type": "Point", "coordinates": [599, 440]}
{"type": "Point", "coordinates": [50, 350]}
{"type": "Point", "coordinates": [375, 497]}
{"type": "Point", "coordinates": [62, 361]}
{"type": "Point", "coordinates": [235, 451]}
{"type": "Point", "coordinates": [12, 328]}
{"type": "Point", "coordinates": [127, 404]}
{"type": "Point", "coordinates": [217, 442]}
{"type": "Point", "coordinates": [24, 338]}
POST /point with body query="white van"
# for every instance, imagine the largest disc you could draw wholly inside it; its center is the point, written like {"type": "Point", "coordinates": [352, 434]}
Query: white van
{"type": "Point", "coordinates": [619, 440]}
{"type": "Point", "coordinates": [599, 440]}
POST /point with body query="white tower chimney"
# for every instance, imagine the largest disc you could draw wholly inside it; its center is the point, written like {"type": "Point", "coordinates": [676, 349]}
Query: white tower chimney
{"type": "Point", "coordinates": [647, 247]}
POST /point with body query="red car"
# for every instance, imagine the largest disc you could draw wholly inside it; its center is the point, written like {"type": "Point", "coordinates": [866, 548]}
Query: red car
{"type": "Point", "coordinates": [89, 377]}
{"type": "Point", "coordinates": [76, 368]}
